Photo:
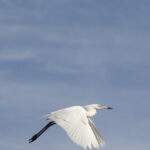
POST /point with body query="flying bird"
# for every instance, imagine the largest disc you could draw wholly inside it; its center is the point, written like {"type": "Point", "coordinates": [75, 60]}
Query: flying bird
{"type": "Point", "coordinates": [77, 123]}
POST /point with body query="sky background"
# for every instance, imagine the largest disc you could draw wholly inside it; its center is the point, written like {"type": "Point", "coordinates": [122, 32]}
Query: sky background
{"type": "Point", "coordinates": [59, 53]}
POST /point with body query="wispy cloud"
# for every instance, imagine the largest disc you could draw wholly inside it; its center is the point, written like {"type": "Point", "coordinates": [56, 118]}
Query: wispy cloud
{"type": "Point", "coordinates": [56, 54]}
{"type": "Point", "coordinates": [16, 55]}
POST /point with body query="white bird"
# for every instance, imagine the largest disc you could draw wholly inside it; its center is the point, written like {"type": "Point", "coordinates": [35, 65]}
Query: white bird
{"type": "Point", "coordinates": [77, 123]}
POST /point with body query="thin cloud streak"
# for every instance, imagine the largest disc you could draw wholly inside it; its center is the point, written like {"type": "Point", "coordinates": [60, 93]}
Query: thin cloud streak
{"type": "Point", "coordinates": [61, 53]}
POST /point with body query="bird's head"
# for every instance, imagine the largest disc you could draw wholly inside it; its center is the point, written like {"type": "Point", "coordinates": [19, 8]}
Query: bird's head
{"type": "Point", "coordinates": [97, 106]}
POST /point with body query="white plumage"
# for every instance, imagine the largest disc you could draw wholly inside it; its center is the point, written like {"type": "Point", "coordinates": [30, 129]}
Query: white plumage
{"type": "Point", "coordinates": [77, 123]}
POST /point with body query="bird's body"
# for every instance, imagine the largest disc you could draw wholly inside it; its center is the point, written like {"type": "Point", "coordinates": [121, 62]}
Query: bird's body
{"type": "Point", "coordinates": [77, 123]}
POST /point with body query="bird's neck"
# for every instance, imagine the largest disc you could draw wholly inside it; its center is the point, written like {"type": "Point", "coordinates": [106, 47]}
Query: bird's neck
{"type": "Point", "coordinates": [91, 112]}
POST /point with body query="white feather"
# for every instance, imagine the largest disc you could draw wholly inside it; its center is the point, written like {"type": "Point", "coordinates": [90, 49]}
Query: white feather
{"type": "Point", "coordinates": [79, 127]}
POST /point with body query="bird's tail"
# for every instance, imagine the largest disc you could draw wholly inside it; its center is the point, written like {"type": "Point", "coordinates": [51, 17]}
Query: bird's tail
{"type": "Point", "coordinates": [34, 137]}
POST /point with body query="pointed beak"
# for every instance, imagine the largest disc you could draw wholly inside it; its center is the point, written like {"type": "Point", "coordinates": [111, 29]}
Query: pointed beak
{"type": "Point", "coordinates": [109, 108]}
{"type": "Point", "coordinates": [104, 107]}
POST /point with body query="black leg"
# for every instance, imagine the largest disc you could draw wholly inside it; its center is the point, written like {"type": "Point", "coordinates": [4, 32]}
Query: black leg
{"type": "Point", "coordinates": [34, 137]}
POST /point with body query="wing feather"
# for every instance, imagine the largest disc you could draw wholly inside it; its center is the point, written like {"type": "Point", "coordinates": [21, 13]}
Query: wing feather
{"type": "Point", "coordinates": [96, 133]}
{"type": "Point", "coordinates": [76, 124]}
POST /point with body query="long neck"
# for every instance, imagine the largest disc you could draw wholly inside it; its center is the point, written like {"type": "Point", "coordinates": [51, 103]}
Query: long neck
{"type": "Point", "coordinates": [91, 112]}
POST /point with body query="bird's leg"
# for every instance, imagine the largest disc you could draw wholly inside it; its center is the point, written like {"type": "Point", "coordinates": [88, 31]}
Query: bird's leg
{"type": "Point", "coordinates": [34, 137]}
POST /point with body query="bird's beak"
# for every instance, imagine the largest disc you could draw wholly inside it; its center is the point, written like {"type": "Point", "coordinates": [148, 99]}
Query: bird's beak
{"type": "Point", "coordinates": [109, 108]}
{"type": "Point", "coordinates": [104, 107]}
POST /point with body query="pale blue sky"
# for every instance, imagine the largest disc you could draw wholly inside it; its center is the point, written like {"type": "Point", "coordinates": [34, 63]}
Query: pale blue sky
{"type": "Point", "coordinates": [59, 53]}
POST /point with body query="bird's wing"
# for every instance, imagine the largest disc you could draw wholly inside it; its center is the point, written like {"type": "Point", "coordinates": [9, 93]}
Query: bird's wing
{"type": "Point", "coordinates": [96, 133]}
{"type": "Point", "coordinates": [75, 122]}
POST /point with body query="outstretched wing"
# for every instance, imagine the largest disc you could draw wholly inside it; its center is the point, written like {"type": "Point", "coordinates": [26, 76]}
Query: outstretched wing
{"type": "Point", "coordinates": [75, 122]}
{"type": "Point", "coordinates": [96, 133]}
